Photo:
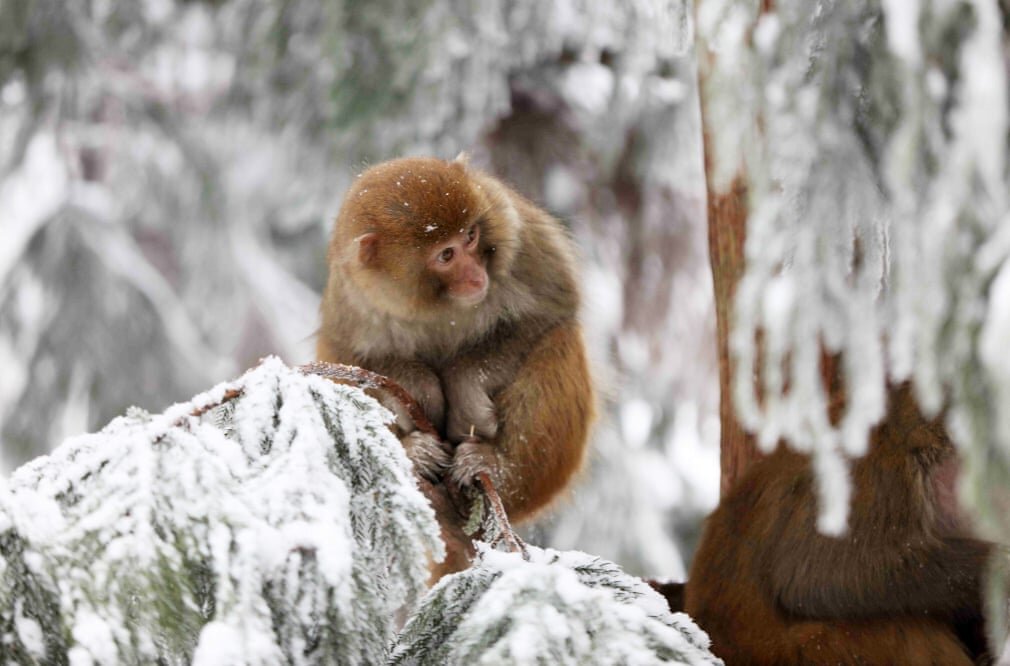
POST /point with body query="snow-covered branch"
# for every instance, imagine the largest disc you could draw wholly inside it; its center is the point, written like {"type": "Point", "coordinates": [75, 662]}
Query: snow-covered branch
{"type": "Point", "coordinates": [282, 525]}
{"type": "Point", "coordinates": [557, 608]}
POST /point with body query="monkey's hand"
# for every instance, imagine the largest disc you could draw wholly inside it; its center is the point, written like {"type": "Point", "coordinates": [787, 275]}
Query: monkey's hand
{"type": "Point", "coordinates": [420, 382]}
{"type": "Point", "coordinates": [473, 457]}
{"type": "Point", "coordinates": [472, 413]}
{"type": "Point", "coordinates": [430, 455]}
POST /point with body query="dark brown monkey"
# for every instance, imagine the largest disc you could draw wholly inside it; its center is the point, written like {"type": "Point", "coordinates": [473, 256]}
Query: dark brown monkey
{"type": "Point", "coordinates": [902, 586]}
{"type": "Point", "coordinates": [461, 290]}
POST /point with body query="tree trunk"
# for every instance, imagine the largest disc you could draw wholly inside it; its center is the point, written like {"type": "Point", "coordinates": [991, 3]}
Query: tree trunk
{"type": "Point", "coordinates": [727, 220]}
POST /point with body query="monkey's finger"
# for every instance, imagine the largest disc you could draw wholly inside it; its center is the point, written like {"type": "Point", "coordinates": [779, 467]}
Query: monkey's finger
{"type": "Point", "coordinates": [430, 455]}
{"type": "Point", "coordinates": [472, 458]}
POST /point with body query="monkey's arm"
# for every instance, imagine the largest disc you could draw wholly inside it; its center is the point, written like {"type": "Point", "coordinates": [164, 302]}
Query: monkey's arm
{"type": "Point", "coordinates": [472, 380]}
{"type": "Point", "coordinates": [418, 379]}
{"type": "Point", "coordinates": [544, 415]}
{"type": "Point", "coordinates": [429, 455]}
{"type": "Point", "coordinates": [876, 569]}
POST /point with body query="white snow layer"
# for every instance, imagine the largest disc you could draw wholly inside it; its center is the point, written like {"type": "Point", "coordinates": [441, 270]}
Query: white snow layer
{"type": "Point", "coordinates": [556, 608]}
{"type": "Point", "coordinates": [284, 526]}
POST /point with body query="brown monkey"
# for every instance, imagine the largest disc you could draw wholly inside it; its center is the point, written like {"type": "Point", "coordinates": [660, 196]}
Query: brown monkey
{"type": "Point", "coordinates": [452, 284]}
{"type": "Point", "coordinates": [902, 586]}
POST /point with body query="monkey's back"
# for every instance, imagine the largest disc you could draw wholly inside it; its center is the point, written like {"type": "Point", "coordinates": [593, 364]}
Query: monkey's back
{"type": "Point", "coordinates": [731, 595]}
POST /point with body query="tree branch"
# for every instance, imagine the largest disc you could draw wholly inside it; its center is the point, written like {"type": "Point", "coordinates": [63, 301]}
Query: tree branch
{"type": "Point", "coordinates": [366, 379]}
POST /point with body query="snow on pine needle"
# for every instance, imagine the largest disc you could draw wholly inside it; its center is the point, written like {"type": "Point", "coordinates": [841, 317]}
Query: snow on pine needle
{"type": "Point", "coordinates": [558, 608]}
{"type": "Point", "coordinates": [877, 188]}
{"type": "Point", "coordinates": [270, 520]}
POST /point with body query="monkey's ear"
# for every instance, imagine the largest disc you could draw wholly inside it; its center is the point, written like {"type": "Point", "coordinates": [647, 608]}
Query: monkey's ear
{"type": "Point", "coordinates": [368, 246]}
{"type": "Point", "coordinates": [463, 159]}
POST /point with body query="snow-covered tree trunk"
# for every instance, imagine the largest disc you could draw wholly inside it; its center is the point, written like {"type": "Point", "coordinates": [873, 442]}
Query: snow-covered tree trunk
{"type": "Point", "coordinates": [723, 77]}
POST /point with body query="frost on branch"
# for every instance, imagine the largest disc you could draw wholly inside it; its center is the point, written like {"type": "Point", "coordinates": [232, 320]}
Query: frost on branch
{"type": "Point", "coordinates": [281, 527]}
{"type": "Point", "coordinates": [557, 608]}
{"type": "Point", "coordinates": [875, 141]}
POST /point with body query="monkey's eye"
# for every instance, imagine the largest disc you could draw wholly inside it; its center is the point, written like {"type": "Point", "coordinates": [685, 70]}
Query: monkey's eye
{"type": "Point", "coordinates": [471, 234]}
{"type": "Point", "coordinates": [446, 255]}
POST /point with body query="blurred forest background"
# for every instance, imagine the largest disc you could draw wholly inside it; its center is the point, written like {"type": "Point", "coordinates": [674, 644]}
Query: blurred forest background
{"type": "Point", "coordinates": [169, 170]}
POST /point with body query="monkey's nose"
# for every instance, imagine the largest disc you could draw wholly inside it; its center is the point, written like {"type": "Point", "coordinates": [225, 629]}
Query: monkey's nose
{"type": "Point", "coordinates": [472, 290]}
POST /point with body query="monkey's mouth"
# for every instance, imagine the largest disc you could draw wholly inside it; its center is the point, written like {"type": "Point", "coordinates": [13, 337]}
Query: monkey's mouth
{"type": "Point", "coordinates": [470, 298]}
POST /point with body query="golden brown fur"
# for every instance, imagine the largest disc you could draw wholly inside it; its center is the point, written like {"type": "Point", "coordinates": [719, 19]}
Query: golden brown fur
{"type": "Point", "coordinates": [512, 367]}
{"type": "Point", "coordinates": [902, 586]}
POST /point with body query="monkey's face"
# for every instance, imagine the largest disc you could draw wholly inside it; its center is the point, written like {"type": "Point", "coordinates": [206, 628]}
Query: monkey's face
{"type": "Point", "coordinates": [421, 239]}
{"type": "Point", "coordinates": [424, 281]}
{"type": "Point", "coordinates": [459, 265]}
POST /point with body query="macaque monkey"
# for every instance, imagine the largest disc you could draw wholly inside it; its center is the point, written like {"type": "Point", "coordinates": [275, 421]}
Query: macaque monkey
{"type": "Point", "coordinates": [901, 586]}
{"type": "Point", "coordinates": [462, 291]}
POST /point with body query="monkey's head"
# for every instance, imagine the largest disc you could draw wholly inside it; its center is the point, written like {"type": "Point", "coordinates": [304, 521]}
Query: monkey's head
{"type": "Point", "coordinates": [422, 238]}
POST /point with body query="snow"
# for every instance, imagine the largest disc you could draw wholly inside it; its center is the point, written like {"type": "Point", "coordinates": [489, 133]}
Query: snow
{"type": "Point", "coordinates": [723, 27]}
{"type": "Point", "coordinates": [982, 113]}
{"type": "Point", "coordinates": [589, 86]}
{"type": "Point", "coordinates": [562, 189]}
{"type": "Point", "coordinates": [558, 607]}
{"type": "Point", "coordinates": [994, 342]}
{"type": "Point", "coordinates": [901, 18]}
{"type": "Point", "coordinates": [689, 448]}
{"type": "Point", "coordinates": [272, 517]}
{"type": "Point", "coordinates": [13, 92]}
{"type": "Point", "coordinates": [94, 642]}
{"type": "Point", "coordinates": [29, 633]}
{"type": "Point", "coordinates": [636, 422]}
{"type": "Point", "coordinates": [603, 309]}
{"type": "Point", "coordinates": [995, 338]}
{"type": "Point", "coordinates": [221, 643]}
{"type": "Point", "coordinates": [766, 32]}
{"type": "Point", "coordinates": [30, 197]}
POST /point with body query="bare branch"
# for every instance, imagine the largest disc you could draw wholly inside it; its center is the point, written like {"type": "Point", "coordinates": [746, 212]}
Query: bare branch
{"type": "Point", "coordinates": [505, 531]}
{"type": "Point", "coordinates": [228, 396]}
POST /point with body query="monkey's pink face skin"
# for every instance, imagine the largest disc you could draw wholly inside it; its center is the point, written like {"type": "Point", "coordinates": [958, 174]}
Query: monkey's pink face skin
{"type": "Point", "coordinates": [459, 265]}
